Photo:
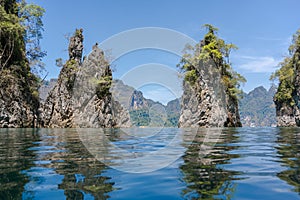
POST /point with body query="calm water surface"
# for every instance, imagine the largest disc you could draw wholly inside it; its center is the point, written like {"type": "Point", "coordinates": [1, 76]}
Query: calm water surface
{"type": "Point", "coordinates": [243, 163]}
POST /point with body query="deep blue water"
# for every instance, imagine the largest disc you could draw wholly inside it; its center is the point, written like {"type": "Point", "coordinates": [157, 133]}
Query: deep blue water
{"type": "Point", "coordinates": [241, 163]}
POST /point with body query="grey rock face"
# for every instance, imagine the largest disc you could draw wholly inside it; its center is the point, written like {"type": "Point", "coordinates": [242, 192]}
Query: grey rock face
{"type": "Point", "coordinates": [82, 97]}
{"type": "Point", "coordinates": [18, 99]}
{"type": "Point", "coordinates": [205, 103]}
{"type": "Point", "coordinates": [286, 121]}
{"type": "Point", "coordinates": [94, 104]}
{"type": "Point", "coordinates": [76, 46]}
{"type": "Point", "coordinates": [58, 107]}
{"type": "Point", "coordinates": [286, 114]}
{"type": "Point", "coordinates": [296, 94]}
{"type": "Point", "coordinates": [233, 115]}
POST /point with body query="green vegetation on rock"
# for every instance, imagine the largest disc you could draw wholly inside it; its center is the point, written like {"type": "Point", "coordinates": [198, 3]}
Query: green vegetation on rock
{"type": "Point", "coordinates": [21, 30]}
{"type": "Point", "coordinates": [71, 64]}
{"type": "Point", "coordinates": [12, 46]}
{"type": "Point", "coordinates": [69, 71]}
{"type": "Point", "coordinates": [212, 50]}
{"type": "Point", "coordinates": [20, 54]}
{"type": "Point", "coordinates": [287, 96]}
{"type": "Point", "coordinates": [103, 86]}
{"type": "Point", "coordinates": [286, 74]}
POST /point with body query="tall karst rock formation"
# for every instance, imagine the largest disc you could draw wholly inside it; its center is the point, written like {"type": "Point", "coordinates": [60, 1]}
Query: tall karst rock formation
{"type": "Point", "coordinates": [82, 97]}
{"type": "Point", "coordinates": [287, 97]}
{"type": "Point", "coordinates": [19, 98]}
{"type": "Point", "coordinates": [211, 87]}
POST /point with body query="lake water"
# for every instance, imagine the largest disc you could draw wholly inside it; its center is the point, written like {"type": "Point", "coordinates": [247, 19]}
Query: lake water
{"type": "Point", "coordinates": [242, 163]}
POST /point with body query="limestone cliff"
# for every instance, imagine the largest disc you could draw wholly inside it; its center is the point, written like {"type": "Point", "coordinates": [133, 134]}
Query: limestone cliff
{"type": "Point", "coordinates": [296, 92]}
{"type": "Point", "coordinates": [205, 103]}
{"type": "Point", "coordinates": [285, 115]}
{"type": "Point", "coordinates": [211, 86]}
{"type": "Point", "coordinates": [19, 102]}
{"type": "Point", "coordinates": [288, 93]}
{"type": "Point", "coordinates": [58, 110]}
{"type": "Point", "coordinates": [82, 97]}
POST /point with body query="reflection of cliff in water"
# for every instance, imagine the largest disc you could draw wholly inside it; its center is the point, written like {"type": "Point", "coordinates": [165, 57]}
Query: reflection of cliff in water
{"type": "Point", "coordinates": [34, 158]}
{"type": "Point", "coordinates": [202, 172]}
{"type": "Point", "coordinates": [288, 150]}
{"type": "Point", "coordinates": [81, 171]}
{"type": "Point", "coordinates": [14, 158]}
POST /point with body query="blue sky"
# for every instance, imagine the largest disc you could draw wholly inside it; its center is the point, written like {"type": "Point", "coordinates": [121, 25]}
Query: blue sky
{"type": "Point", "coordinates": [262, 29]}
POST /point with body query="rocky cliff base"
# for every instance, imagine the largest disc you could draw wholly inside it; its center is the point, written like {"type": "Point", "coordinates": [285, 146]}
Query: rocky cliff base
{"type": "Point", "coordinates": [205, 103]}
{"type": "Point", "coordinates": [19, 101]}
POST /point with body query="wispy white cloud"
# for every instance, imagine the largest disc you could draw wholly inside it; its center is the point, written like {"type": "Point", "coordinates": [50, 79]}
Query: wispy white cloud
{"type": "Point", "coordinates": [258, 64]}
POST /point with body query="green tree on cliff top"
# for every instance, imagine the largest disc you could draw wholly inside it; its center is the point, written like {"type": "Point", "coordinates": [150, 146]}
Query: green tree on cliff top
{"type": "Point", "coordinates": [212, 48]}
{"type": "Point", "coordinates": [20, 33]}
{"type": "Point", "coordinates": [286, 74]}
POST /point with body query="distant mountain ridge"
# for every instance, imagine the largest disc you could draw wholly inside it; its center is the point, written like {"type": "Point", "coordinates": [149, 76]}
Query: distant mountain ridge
{"type": "Point", "coordinates": [257, 108]}
{"type": "Point", "coordinates": [146, 112]}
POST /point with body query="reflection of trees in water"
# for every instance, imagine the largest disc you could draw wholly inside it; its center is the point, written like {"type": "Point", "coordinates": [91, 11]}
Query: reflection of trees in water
{"type": "Point", "coordinates": [14, 158]}
{"type": "Point", "coordinates": [22, 150]}
{"type": "Point", "coordinates": [81, 171]}
{"type": "Point", "coordinates": [202, 172]}
{"type": "Point", "coordinates": [289, 153]}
